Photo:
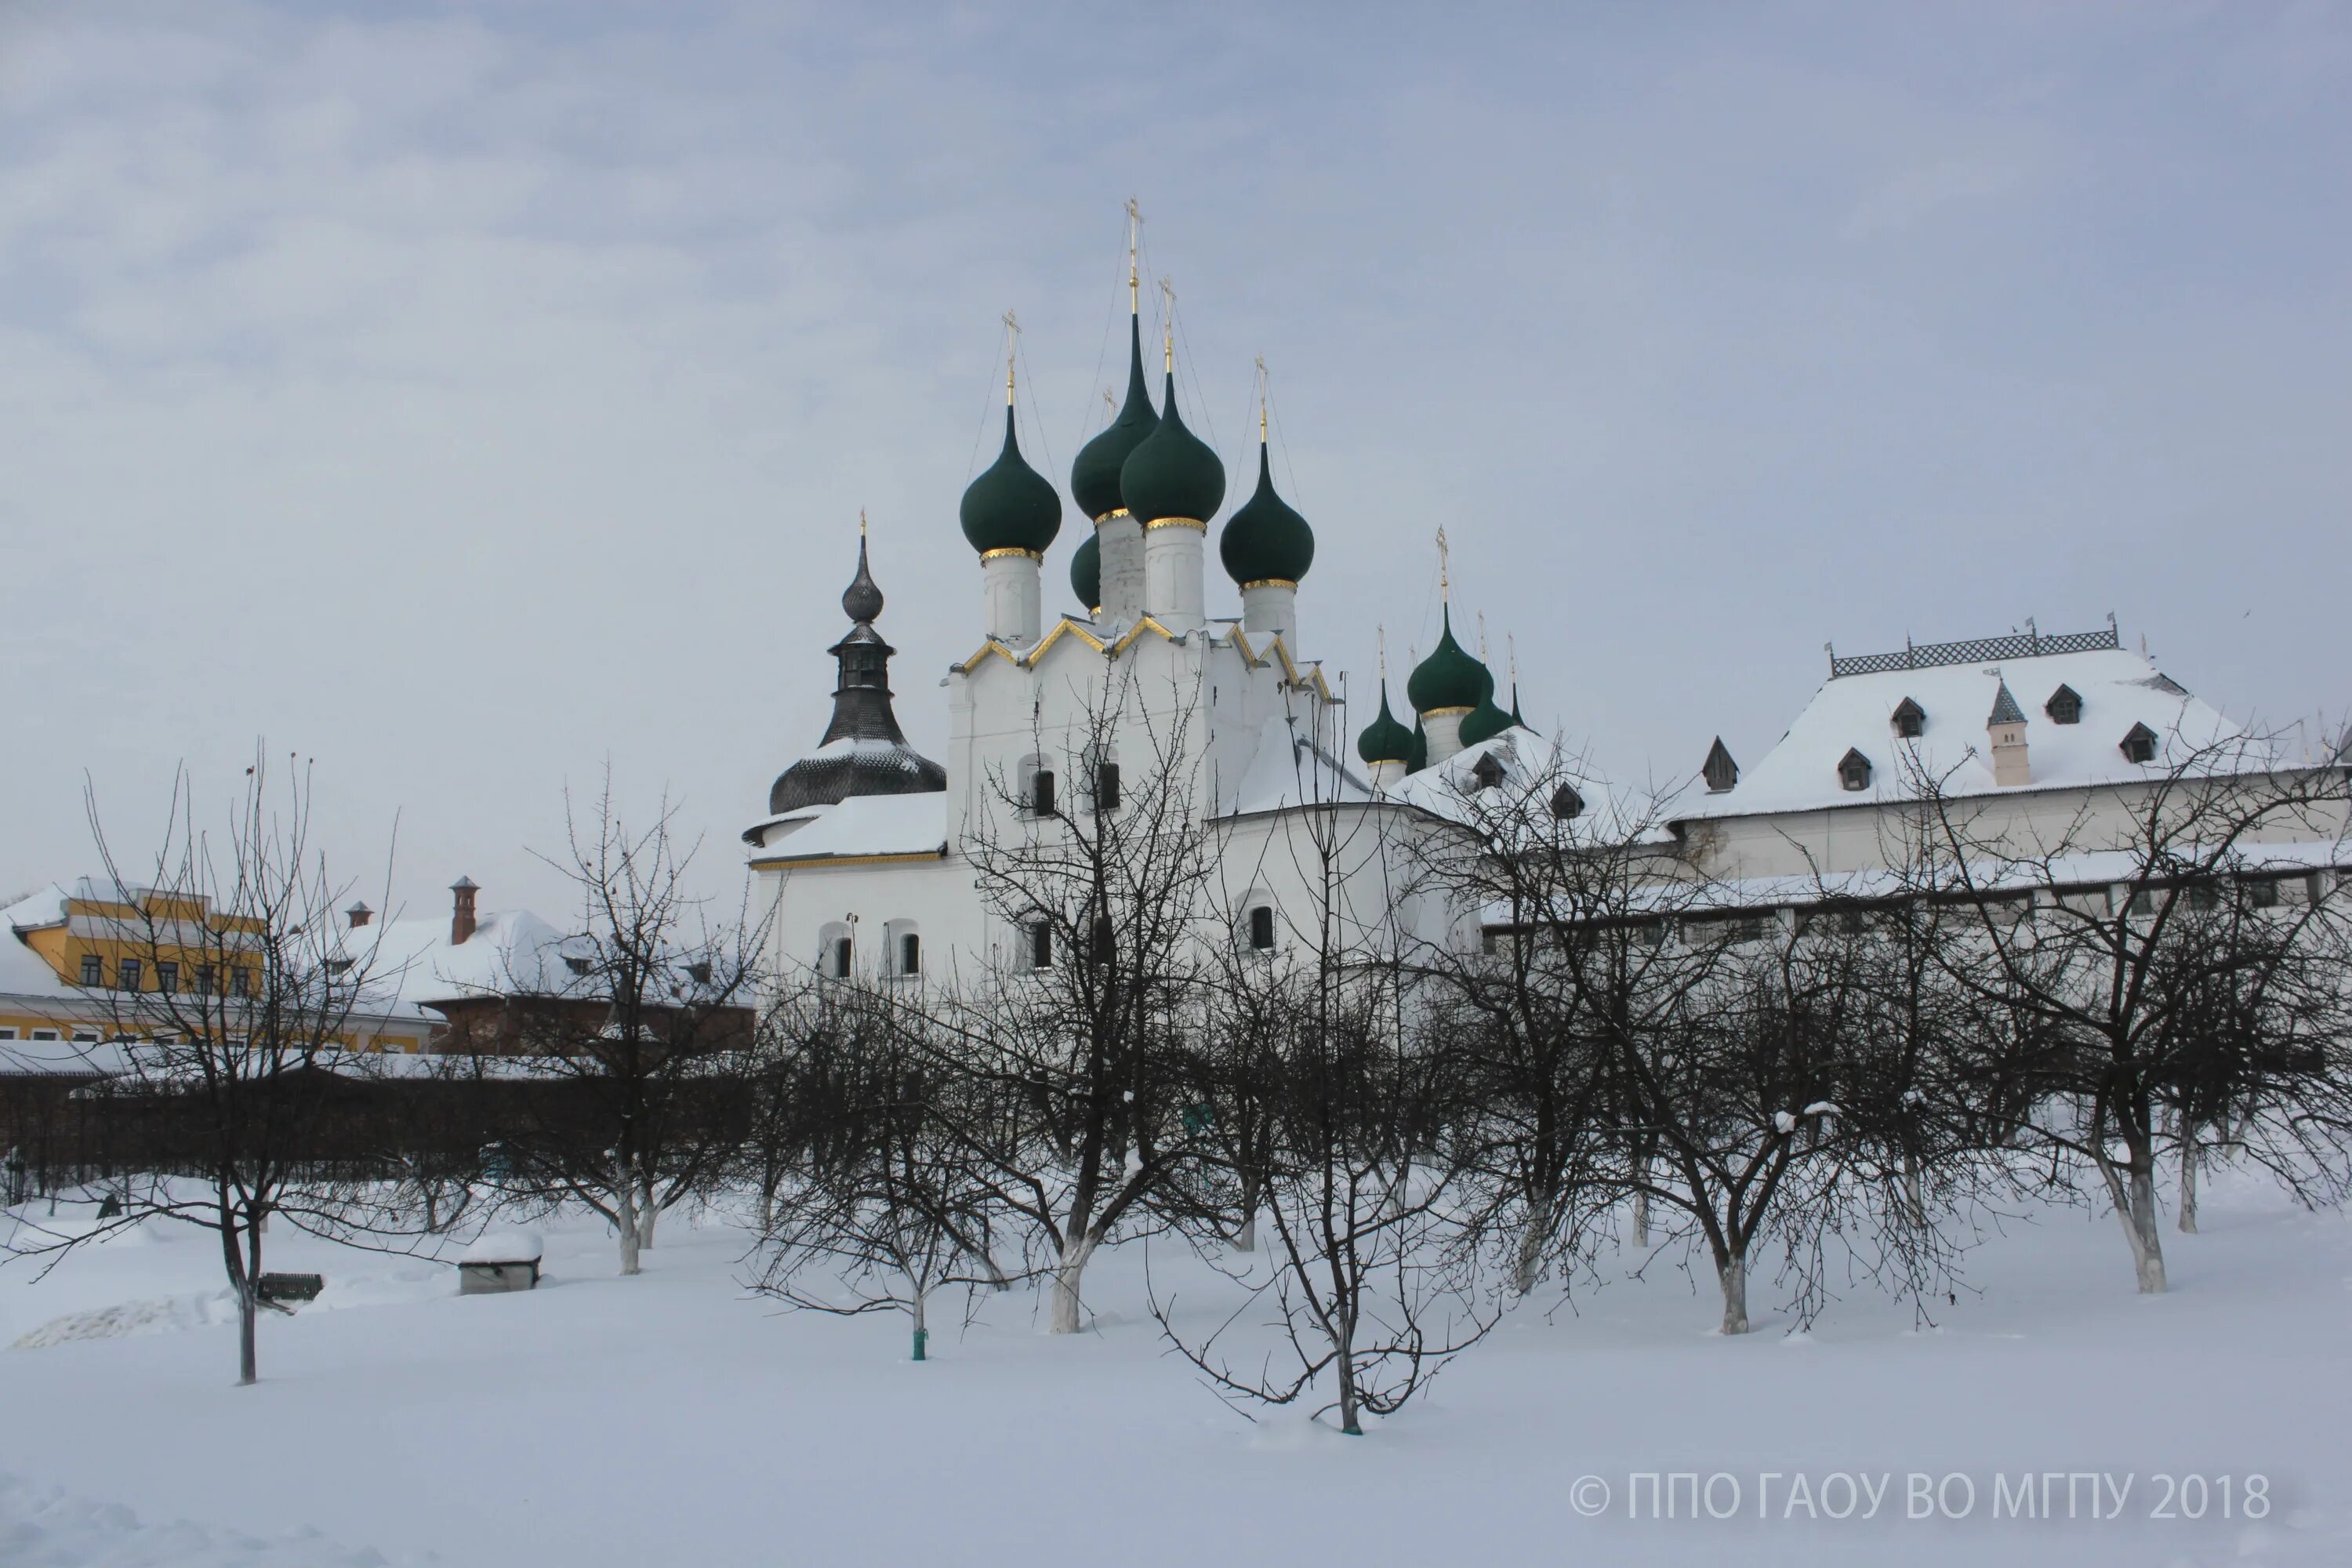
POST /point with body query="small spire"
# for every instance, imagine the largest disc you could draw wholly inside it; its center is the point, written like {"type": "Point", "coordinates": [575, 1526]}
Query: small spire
{"type": "Point", "coordinates": [1134, 277]}
{"type": "Point", "coordinates": [1380, 635]}
{"type": "Point", "coordinates": [1167, 287]}
{"type": "Point", "coordinates": [861, 522]}
{"type": "Point", "coordinates": [1012, 346]}
{"type": "Point", "coordinates": [1261, 400]}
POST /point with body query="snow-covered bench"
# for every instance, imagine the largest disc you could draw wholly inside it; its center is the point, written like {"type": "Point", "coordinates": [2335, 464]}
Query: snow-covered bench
{"type": "Point", "coordinates": [499, 1260]}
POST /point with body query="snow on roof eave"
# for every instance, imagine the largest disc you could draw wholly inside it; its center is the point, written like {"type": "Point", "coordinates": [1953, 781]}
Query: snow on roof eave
{"type": "Point", "coordinates": [2087, 869]}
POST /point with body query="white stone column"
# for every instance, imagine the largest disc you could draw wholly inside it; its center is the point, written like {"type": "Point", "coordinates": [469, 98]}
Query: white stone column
{"type": "Point", "coordinates": [1270, 608]}
{"type": "Point", "coordinates": [1120, 539]}
{"type": "Point", "coordinates": [1172, 591]}
{"type": "Point", "coordinates": [1443, 728]}
{"type": "Point", "coordinates": [1386, 777]}
{"type": "Point", "coordinates": [1010, 581]}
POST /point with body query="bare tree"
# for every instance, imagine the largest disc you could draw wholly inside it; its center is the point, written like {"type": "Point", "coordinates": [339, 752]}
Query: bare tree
{"type": "Point", "coordinates": [876, 1208]}
{"type": "Point", "coordinates": [1077, 1038]}
{"type": "Point", "coordinates": [638, 1025]}
{"type": "Point", "coordinates": [2171, 958]}
{"type": "Point", "coordinates": [1376, 1276]}
{"type": "Point", "coordinates": [234, 1002]}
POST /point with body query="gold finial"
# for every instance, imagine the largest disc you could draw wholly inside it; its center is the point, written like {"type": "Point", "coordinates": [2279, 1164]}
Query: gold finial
{"type": "Point", "coordinates": [1134, 278]}
{"type": "Point", "coordinates": [861, 522]}
{"type": "Point", "coordinates": [1511, 647]}
{"type": "Point", "coordinates": [1382, 634]}
{"type": "Point", "coordinates": [1012, 345]}
{"type": "Point", "coordinates": [1261, 400]}
{"type": "Point", "coordinates": [1111, 403]}
{"type": "Point", "coordinates": [1444, 584]}
{"type": "Point", "coordinates": [1482, 636]}
{"type": "Point", "coordinates": [1167, 288]}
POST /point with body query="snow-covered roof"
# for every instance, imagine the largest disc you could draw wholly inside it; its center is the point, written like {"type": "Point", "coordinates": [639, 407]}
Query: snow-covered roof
{"type": "Point", "coordinates": [2118, 687]}
{"type": "Point", "coordinates": [1286, 770]}
{"type": "Point", "coordinates": [2089, 868]}
{"type": "Point", "coordinates": [412, 964]}
{"type": "Point", "coordinates": [863, 825]}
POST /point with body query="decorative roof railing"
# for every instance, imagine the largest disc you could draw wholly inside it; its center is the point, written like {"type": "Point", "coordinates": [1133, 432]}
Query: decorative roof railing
{"type": "Point", "coordinates": [2027, 643]}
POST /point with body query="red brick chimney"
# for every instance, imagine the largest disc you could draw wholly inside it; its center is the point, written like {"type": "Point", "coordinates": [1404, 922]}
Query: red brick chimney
{"type": "Point", "coordinates": [461, 913]}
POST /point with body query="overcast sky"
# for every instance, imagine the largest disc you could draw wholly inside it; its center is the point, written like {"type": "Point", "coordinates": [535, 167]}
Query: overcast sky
{"type": "Point", "coordinates": [468, 397]}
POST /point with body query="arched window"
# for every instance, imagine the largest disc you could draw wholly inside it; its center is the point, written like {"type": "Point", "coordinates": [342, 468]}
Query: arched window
{"type": "Point", "coordinates": [836, 951]}
{"type": "Point", "coordinates": [1106, 785]}
{"type": "Point", "coordinates": [1039, 936]}
{"type": "Point", "coordinates": [1106, 941]}
{"type": "Point", "coordinates": [1037, 787]}
{"type": "Point", "coordinates": [1260, 928]}
{"type": "Point", "coordinates": [1853, 770]}
{"type": "Point", "coordinates": [903, 948]}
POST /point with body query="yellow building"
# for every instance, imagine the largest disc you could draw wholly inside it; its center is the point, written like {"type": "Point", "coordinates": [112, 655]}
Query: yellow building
{"type": "Point", "coordinates": [88, 963]}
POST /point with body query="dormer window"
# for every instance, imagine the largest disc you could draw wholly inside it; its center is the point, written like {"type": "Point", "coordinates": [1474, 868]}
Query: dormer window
{"type": "Point", "coordinates": [2064, 707]}
{"type": "Point", "coordinates": [577, 965]}
{"type": "Point", "coordinates": [1485, 773]}
{"type": "Point", "coordinates": [1566, 805]}
{"type": "Point", "coordinates": [1910, 720]}
{"type": "Point", "coordinates": [2139, 745]}
{"type": "Point", "coordinates": [1853, 770]}
{"type": "Point", "coordinates": [1719, 770]}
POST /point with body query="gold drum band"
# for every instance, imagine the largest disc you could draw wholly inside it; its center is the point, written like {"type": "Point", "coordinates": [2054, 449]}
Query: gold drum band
{"type": "Point", "coordinates": [1192, 522]}
{"type": "Point", "coordinates": [992, 555]}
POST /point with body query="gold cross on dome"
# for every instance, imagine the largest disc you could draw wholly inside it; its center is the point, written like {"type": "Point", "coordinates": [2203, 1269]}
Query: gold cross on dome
{"type": "Point", "coordinates": [1445, 583]}
{"type": "Point", "coordinates": [1012, 345]}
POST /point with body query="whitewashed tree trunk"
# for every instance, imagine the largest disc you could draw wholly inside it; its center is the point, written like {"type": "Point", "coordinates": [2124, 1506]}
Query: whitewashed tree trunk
{"type": "Point", "coordinates": [2192, 1156]}
{"type": "Point", "coordinates": [1066, 1319]}
{"type": "Point", "coordinates": [2133, 1191]}
{"type": "Point", "coordinates": [919, 1313]}
{"type": "Point", "coordinates": [624, 1215]}
{"type": "Point", "coordinates": [1527, 1264]}
{"type": "Point", "coordinates": [1641, 1219]}
{"type": "Point", "coordinates": [1915, 1195]}
{"type": "Point", "coordinates": [647, 1212]}
{"type": "Point", "coordinates": [1734, 1274]}
{"type": "Point", "coordinates": [248, 1308]}
{"type": "Point", "coordinates": [1245, 1238]}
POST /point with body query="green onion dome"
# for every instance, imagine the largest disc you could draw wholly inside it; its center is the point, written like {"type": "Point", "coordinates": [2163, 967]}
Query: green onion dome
{"type": "Point", "coordinates": [1384, 740]}
{"type": "Point", "coordinates": [1086, 573]}
{"type": "Point", "coordinates": [1420, 758]}
{"type": "Point", "coordinates": [1266, 540]}
{"type": "Point", "coordinates": [1173, 474]}
{"type": "Point", "coordinates": [1484, 721]}
{"type": "Point", "coordinates": [1012, 506]}
{"type": "Point", "coordinates": [1448, 677]}
{"type": "Point", "coordinates": [1094, 478]}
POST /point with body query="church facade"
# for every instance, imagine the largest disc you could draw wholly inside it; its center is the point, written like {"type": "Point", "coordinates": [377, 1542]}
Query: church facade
{"type": "Point", "coordinates": [876, 862]}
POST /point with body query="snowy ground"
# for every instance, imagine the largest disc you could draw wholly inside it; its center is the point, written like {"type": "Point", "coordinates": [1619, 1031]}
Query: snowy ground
{"type": "Point", "coordinates": [673, 1419]}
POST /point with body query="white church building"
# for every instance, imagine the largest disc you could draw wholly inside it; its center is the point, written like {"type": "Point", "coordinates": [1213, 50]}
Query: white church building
{"type": "Point", "coordinates": [865, 856]}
